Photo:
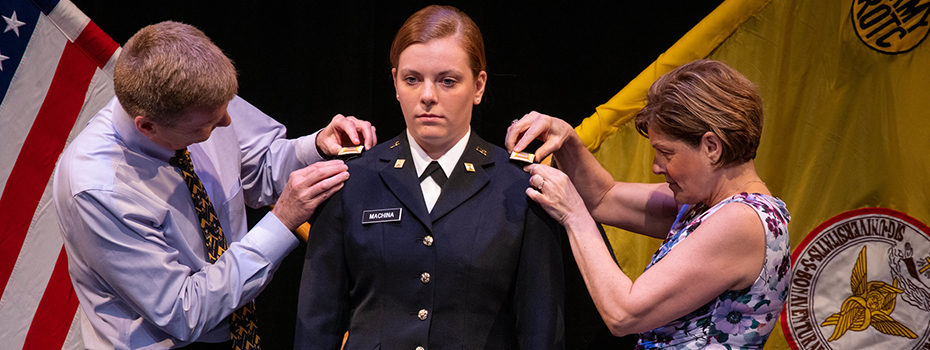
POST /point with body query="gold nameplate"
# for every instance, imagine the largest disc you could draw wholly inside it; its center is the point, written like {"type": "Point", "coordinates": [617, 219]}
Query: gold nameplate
{"type": "Point", "coordinates": [351, 150]}
{"type": "Point", "coordinates": [469, 167]}
{"type": "Point", "coordinates": [523, 156]}
{"type": "Point", "coordinates": [399, 164]}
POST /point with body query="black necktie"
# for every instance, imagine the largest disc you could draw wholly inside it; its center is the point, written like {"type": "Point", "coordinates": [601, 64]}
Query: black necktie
{"type": "Point", "coordinates": [434, 171]}
{"type": "Point", "coordinates": [244, 331]}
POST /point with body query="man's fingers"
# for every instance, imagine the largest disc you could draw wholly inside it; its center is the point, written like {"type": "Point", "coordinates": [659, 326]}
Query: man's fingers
{"type": "Point", "coordinates": [348, 128]}
{"type": "Point", "coordinates": [315, 172]}
{"type": "Point", "coordinates": [372, 138]}
{"type": "Point", "coordinates": [320, 198]}
{"type": "Point", "coordinates": [354, 130]}
{"type": "Point", "coordinates": [328, 183]}
{"type": "Point", "coordinates": [366, 131]}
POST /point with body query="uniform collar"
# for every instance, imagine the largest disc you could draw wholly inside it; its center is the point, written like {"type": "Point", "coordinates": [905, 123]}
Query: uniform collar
{"type": "Point", "coordinates": [446, 161]}
{"type": "Point", "coordinates": [467, 177]}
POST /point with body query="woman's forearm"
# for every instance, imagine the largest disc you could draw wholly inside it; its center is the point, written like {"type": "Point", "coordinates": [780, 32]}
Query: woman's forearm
{"type": "Point", "coordinates": [591, 180]}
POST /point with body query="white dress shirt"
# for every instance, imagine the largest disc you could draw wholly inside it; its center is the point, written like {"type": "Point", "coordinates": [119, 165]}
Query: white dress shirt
{"type": "Point", "coordinates": [421, 160]}
{"type": "Point", "coordinates": [136, 254]}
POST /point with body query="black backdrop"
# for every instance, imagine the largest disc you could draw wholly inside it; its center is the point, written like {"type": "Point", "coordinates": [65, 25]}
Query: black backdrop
{"type": "Point", "coordinates": [303, 62]}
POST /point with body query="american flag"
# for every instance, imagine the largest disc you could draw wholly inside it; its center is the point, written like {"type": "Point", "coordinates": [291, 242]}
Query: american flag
{"type": "Point", "coordinates": [56, 69]}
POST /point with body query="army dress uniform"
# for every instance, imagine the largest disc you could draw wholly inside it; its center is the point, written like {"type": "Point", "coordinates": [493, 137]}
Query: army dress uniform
{"type": "Point", "coordinates": [481, 270]}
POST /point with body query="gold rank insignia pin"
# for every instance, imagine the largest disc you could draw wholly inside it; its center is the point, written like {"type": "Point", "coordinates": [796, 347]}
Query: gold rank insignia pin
{"type": "Point", "coordinates": [351, 150]}
{"type": "Point", "coordinates": [482, 151]}
{"type": "Point", "coordinates": [399, 163]}
{"type": "Point", "coordinates": [469, 167]}
{"type": "Point", "coordinates": [396, 143]}
{"type": "Point", "coordinates": [523, 156]}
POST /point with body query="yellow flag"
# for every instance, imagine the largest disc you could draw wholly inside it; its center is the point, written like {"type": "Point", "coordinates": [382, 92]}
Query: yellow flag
{"type": "Point", "coordinates": [846, 144]}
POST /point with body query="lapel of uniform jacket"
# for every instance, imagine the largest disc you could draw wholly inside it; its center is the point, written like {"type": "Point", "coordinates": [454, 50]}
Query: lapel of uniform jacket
{"type": "Point", "coordinates": [462, 185]}
{"type": "Point", "coordinates": [403, 182]}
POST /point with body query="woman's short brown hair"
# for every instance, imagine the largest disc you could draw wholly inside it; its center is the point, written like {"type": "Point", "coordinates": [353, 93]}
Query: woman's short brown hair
{"type": "Point", "coordinates": [702, 96]}
{"type": "Point", "coordinates": [168, 67]}
{"type": "Point", "coordinates": [436, 22]}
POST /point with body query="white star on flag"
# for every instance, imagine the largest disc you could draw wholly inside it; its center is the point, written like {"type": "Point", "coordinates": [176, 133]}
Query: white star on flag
{"type": "Point", "coordinates": [2, 58]}
{"type": "Point", "coordinates": [12, 24]}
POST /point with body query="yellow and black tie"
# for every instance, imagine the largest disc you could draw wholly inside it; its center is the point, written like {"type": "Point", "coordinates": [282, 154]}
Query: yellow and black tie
{"type": "Point", "coordinates": [242, 322]}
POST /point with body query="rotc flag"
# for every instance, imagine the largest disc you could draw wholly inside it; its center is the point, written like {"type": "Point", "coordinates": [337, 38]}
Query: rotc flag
{"type": "Point", "coordinates": [846, 91]}
{"type": "Point", "coordinates": [55, 73]}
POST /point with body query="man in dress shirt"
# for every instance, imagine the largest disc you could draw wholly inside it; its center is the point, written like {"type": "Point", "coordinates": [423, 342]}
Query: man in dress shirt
{"type": "Point", "coordinates": [136, 253]}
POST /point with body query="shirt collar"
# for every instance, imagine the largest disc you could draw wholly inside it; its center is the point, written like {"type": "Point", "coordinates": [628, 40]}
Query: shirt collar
{"type": "Point", "coordinates": [446, 161]}
{"type": "Point", "coordinates": [135, 140]}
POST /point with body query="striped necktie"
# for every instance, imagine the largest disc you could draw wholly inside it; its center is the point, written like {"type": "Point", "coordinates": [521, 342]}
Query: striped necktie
{"type": "Point", "coordinates": [242, 325]}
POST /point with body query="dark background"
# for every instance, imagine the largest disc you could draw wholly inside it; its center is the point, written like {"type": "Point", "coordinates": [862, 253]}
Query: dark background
{"type": "Point", "coordinates": [303, 62]}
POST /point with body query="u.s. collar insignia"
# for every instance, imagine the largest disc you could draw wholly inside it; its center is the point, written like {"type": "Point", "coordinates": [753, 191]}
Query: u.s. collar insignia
{"type": "Point", "coordinates": [399, 163]}
{"type": "Point", "coordinates": [482, 151]}
{"type": "Point", "coordinates": [469, 167]}
{"type": "Point", "coordinates": [396, 143]}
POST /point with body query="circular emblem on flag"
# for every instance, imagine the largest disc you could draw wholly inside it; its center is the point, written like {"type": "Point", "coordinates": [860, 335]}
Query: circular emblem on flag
{"type": "Point", "coordinates": [891, 26]}
{"type": "Point", "coordinates": [860, 281]}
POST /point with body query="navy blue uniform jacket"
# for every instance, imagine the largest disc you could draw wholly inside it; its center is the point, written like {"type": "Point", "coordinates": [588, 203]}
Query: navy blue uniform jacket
{"type": "Point", "coordinates": [492, 255]}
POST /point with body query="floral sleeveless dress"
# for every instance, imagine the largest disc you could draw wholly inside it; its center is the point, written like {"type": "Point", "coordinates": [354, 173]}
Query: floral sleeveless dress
{"type": "Point", "coordinates": [735, 319]}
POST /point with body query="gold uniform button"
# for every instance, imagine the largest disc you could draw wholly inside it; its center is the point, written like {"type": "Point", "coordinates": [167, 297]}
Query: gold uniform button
{"type": "Point", "coordinates": [420, 348]}
{"type": "Point", "coordinates": [424, 277]}
{"type": "Point", "coordinates": [428, 241]}
{"type": "Point", "coordinates": [422, 314]}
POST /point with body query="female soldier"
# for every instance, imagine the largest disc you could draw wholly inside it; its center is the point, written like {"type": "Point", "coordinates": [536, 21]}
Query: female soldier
{"type": "Point", "coordinates": [432, 243]}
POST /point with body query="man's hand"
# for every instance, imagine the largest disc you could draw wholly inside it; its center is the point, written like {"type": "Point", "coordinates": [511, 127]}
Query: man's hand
{"type": "Point", "coordinates": [345, 132]}
{"type": "Point", "coordinates": [306, 189]}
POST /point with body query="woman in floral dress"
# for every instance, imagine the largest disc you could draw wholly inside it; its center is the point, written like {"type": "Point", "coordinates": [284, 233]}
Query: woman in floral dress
{"type": "Point", "coordinates": [719, 279]}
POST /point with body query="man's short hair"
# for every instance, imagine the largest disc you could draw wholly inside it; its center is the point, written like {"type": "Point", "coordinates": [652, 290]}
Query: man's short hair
{"type": "Point", "coordinates": [168, 67]}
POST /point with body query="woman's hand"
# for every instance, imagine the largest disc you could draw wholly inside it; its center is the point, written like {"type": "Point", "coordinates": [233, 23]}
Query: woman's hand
{"type": "Point", "coordinates": [553, 132]}
{"type": "Point", "coordinates": [554, 191]}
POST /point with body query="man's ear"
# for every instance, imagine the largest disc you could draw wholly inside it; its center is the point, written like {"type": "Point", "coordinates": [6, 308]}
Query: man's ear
{"type": "Point", "coordinates": [712, 147]}
{"type": "Point", "coordinates": [145, 126]}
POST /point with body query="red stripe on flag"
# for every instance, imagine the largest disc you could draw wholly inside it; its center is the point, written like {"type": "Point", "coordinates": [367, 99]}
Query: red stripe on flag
{"type": "Point", "coordinates": [97, 45]}
{"type": "Point", "coordinates": [53, 318]}
{"type": "Point", "coordinates": [43, 145]}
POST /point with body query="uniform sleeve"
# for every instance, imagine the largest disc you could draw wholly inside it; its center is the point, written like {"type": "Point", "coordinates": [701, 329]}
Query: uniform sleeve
{"type": "Point", "coordinates": [124, 244]}
{"type": "Point", "coordinates": [268, 157]}
{"type": "Point", "coordinates": [323, 305]}
{"type": "Point", "coordinates": [539, 295]}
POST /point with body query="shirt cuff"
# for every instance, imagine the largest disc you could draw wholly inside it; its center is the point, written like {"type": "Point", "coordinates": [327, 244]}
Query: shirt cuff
{"type": "Point", "coordinates": [306, 149]}
{"type": "Point", "coordinates": [272, 238]}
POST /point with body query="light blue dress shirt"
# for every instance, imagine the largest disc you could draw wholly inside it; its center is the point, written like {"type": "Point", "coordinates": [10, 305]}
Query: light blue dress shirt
{"type": "Point", "coordinates": [136, 254]}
